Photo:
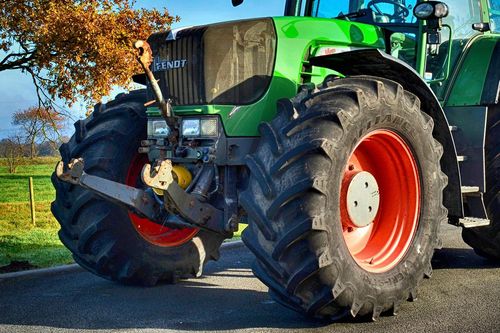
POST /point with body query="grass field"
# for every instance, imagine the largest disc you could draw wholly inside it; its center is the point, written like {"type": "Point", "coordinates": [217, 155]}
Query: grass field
{"type": "Point", "coordinates": [19, 240]}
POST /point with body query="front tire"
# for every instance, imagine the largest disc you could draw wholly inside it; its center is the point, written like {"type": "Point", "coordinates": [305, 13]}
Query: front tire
{"type": "Point", "coordinates": [105, 238]}
{"type": "Point", "coordinates": [297, 201]}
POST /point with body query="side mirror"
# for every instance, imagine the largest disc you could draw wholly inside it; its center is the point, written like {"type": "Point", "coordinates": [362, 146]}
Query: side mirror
{"type": "Point", "coordinates": [236, 3]}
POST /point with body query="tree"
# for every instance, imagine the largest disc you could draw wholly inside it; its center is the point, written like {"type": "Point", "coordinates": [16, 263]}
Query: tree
{"type": "Point", "coordinates": [75, 48]}
{"type": "Point", "coordinates": [38, 124]}
{"type": "Point", "coordinates": [50, 147]}
{"type": "Point", "coordinates": [11, 149]}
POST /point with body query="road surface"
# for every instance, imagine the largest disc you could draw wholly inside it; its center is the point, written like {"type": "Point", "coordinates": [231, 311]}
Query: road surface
{"type": "Point", "coordinates": [462, 296]}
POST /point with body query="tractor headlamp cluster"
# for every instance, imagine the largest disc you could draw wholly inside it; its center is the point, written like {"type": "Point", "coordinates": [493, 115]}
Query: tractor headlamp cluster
{"type": "Point", "coordinates": [190, 127]}
{"type": "Point", "coordinates": [430, 10]}
{"type": "Point", "coordinates": [199, 127]}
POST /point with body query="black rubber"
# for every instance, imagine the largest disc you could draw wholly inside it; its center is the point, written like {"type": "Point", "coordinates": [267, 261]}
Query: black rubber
{"type": "Point", "coordinates": [100, 234]}
{"type": "Point", "coordinates": [293, 198]}
{"type": "Point", "coordinates": [486, 240]}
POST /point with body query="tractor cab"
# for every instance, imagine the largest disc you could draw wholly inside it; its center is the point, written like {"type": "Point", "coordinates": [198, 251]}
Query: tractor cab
{"type": "Point", "coordinates": [409, 35]}
{"type": "Point", "coordinates": [396, 18]}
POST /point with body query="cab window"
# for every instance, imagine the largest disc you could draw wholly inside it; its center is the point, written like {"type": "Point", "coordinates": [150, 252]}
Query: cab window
{"type": "Point", "coordinates": [495, 15]}
{"type": "Point", "coordinates": [382, 11]}
{"type": "Point", "coordinates": [463, 13]}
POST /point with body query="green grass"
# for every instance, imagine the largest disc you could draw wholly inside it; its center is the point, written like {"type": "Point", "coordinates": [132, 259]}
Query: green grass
{"type": "Point", "coordinates": [40, 247]}
{"type": "Point", "coordinates": [19, 239]}
{"type": "Point", "coordinates": [36, 161]}
{"type": "Point", "coordinates": [14, 187]}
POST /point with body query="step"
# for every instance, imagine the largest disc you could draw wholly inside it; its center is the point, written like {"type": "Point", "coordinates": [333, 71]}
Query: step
{"type": "Point", "coordinates": [469, 189]}
{"type": "Point", "coordinates": [473, 222]}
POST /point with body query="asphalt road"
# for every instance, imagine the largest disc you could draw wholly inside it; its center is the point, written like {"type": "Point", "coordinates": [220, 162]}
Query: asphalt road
{"type": "Point", "coordinates": [462, 296]}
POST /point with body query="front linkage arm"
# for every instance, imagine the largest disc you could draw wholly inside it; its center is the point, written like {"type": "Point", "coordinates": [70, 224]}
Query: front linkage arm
{"type": "Point", "coordinates": [144, 203]}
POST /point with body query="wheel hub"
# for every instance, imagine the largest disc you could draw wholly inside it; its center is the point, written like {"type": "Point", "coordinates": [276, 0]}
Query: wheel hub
{"type": "Point", "coordinates": [363, 199]}
{"type": "Point", "coordinates": [382, 174]}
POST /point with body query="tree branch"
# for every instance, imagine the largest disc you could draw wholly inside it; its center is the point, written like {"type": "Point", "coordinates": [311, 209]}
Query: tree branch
{"type": "Point", "coordinates": [22, 61]}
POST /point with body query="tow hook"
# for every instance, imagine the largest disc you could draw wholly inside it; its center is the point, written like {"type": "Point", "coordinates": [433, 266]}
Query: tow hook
{"type": "Point", "coordinates": [178, 201]}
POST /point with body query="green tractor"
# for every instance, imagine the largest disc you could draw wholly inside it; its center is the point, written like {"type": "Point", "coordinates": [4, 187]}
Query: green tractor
{"type": "Point", "coordinates": [344, 133]}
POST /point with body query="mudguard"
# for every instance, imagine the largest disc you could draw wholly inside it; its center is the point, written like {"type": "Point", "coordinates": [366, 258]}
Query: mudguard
{"type": "Point", "coordinates": [377, 63]}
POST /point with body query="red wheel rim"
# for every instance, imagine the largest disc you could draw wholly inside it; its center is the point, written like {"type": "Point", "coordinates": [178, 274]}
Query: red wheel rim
{"type": "Point", "coordinates": [380, 246]}
{"type": "Point", "coordinates": [150, 231]}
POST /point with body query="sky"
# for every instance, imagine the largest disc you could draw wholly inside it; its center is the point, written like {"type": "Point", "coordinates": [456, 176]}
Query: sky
{"type": "Point", "coordinates": [17, 91]}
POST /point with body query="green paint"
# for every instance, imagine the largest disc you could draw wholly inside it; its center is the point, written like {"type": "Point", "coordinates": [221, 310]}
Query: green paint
{"type": "Point", "coordinates": [421, 48]}
{"type": "Point", "coordinates": [296, 36]}
{"type": "Point", "coordinates": [467, 87]}
{"type": "Point", "coordinates": [485, 14]}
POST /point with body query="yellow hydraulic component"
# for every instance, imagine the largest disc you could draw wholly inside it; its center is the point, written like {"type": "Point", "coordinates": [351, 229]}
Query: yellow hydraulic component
{"type": "Point", "coordinates": [157, 191]}
{"type": "Point", "coordinates": [181, 175]}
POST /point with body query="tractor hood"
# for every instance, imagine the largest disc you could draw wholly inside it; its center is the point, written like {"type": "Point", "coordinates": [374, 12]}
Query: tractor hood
{"type": "Point", "coordinates": [229, 63]}
{"type": "Point", "coordinates": [239, 70]}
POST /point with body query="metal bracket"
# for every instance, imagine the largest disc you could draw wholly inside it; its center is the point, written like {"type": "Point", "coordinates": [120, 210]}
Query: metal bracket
{"type": "Point", "coordinates": [176, 200]}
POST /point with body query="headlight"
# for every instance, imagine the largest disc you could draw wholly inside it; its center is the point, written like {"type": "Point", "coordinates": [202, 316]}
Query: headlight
{"type": "Point", "coordinates": [195, 127]}
{"type": "Point", "coordinates": [191, 127]}
{"type": "Point", "coordinates": [158, 128]}
{"type": "Point", "coordinates": [423, 10]}
{"type": "Point", "coordinates": [209, 127]}
{"type": "Point", "coordinates": [441, 9]}
{"type": "Point", "coordinates": [430, 10]}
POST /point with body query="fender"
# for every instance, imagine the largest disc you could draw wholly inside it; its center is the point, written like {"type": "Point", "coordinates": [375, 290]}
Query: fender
{"type": "Point", "coordinates": [377, 63]}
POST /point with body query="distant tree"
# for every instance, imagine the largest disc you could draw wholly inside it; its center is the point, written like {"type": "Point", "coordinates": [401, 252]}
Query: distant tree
{"type": "Point", "coordinates": [46, 148]}
{"type": "Point", "coordinates": [11, 149]}
{"type": "Point", "coordinates": [74, 48]}
{"type": "Point", "coordinates": [51, 147]}
{"type": "Point", "coordinates": [38, 124]}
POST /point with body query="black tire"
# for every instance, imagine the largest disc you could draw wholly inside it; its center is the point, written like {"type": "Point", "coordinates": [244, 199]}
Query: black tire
{"type": "Point", "coordinates": [297, 169]}
{"type": "Point", "coordinates": [486, 240]}
{"type": "Point", "coordinates": [100, 234]}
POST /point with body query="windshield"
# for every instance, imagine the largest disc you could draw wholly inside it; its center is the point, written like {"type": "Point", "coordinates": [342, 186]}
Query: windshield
{"type": "Point", "coordinates": [463, 13]}
{"type": "Point", "coordinates": [495, 15]}
{"type": "Point", "coordinates": [382, 11]}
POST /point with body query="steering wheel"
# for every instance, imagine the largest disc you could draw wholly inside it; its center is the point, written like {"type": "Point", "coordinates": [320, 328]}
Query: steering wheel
{"type": "Point", "coordinates": [398, 15]}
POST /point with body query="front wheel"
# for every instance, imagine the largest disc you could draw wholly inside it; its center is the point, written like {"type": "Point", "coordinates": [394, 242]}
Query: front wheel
{"type": "Point", "coordinates": [109, 240]}
{"type": "Point", "coordinates": [345, 199]}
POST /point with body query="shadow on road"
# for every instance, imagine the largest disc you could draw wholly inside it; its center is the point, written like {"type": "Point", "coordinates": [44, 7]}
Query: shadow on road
{"type": "Point", "coordinates": [227, 298]}
{"type": "Point", "coordinates": [224, 299]}
{"type": "Point", "coordinates": [460, 258]}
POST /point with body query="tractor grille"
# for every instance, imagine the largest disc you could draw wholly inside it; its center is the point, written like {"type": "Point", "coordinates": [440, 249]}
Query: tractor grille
{"type": "Point", "coordinates": [229, 63]}
{"type": "Point", "coordinates": [180, 64]}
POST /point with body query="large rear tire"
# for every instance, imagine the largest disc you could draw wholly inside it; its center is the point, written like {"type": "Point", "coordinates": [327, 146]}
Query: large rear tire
{"type": "Point", "coordinates": [107, 239]}
{"type": "Point", "coordinates": [315, 255]}
{"type": "Point", "coordinates": [486, 240]}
